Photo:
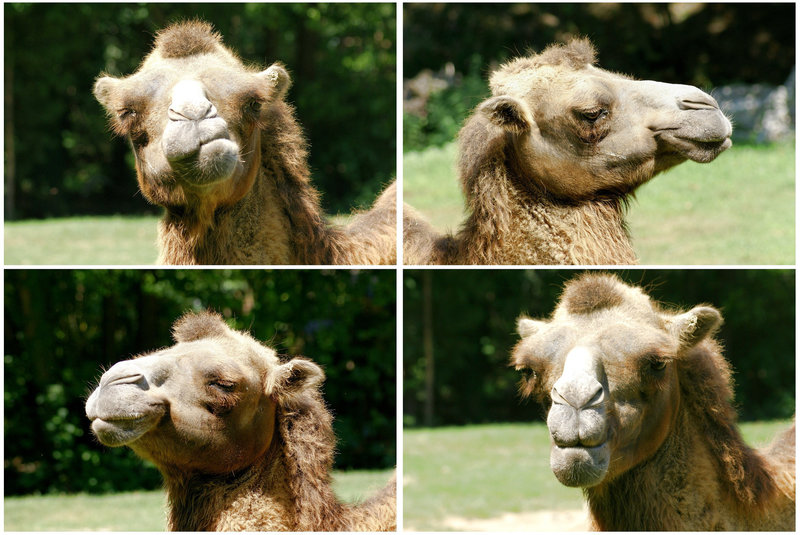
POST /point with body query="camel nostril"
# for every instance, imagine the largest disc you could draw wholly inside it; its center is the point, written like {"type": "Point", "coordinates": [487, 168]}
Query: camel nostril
{"type": "Point", "coordinates": [697, 101]}
{"type": "Point", "coordinates": [176, 116]}
{"type": "Point", "coordinates": [192, 112]}
{"type": "Point", "coordinates": [578, 394]}
{"type": "Point", "coordinates": [132, 378]}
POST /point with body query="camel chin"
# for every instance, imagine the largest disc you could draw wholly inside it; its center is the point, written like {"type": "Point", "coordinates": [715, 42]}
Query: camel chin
{"type": "Point", "coordinates": [580, 466]}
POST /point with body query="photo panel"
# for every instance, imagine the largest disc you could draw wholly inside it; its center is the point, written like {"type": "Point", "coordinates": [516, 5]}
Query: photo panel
{"type": "Point", "coordinates": [256, 399]}
{"type": "Point", "coordinates": [543, 400]}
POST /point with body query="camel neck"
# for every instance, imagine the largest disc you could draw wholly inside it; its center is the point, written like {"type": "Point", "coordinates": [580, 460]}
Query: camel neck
{"type": "Point", "coordinates": [681, 488]}
{"type": "Point", "coordinates": [532, 229]}
{"type": "Point", "coordinates": [250, 231]}
{"type": "Point", "coordinates": [676, 489]}
{"type": "Point", "coordinates": [254, 499]}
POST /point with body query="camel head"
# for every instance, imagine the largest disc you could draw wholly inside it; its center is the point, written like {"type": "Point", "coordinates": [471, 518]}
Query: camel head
{"type": "Point", "coordinates": [205, 405]}
{"type": "Point", "coordinates": [576, 131]}
{"type": "Point", "coordinates": [608, 364]}
{"type": "Point", "coordinates": [193, 114]}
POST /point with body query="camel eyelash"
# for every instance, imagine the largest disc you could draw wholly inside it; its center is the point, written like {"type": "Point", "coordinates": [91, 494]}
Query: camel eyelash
{"type": "Point", "coordinates": [225, 386]}
{"type": "Point", "coordinates": [125, 114]}
{"type": "Point", "coordinates": [595, 114]}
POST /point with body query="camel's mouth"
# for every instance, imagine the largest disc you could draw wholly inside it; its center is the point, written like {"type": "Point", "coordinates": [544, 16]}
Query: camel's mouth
{"type": "Point", "coordinates": [121, 430]}
{"type": "Point", "coordinates": [577, 466]}
{"type": "Point", "coordinates": [702, 151]}
{"type": "Point", "coordinates": [200, 152]}
{"type": "Point", "coordinates": [212, 162]}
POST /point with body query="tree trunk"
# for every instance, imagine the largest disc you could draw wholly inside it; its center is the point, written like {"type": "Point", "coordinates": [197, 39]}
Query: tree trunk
{"type": "Point", "coordinates": [427, 346]}
{"type": "Point", "coordinates": [8, 129]}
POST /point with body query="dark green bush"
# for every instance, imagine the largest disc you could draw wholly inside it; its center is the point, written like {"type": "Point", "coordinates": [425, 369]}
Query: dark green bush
{"type": "Point", "coordinates": [446, 110]}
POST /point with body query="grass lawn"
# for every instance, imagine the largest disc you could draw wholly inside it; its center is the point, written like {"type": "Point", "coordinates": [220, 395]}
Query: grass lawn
{"type": "Point", "coordinates": [136, 511]}
{"type": "Point", "coordinates": [483, 471]}
{"type": "Point", "coordinates": [95, 240]}
{"type": "Point", "coordinates": [114, 240]}
{"type": "Point", "coordinates": [739, 209]}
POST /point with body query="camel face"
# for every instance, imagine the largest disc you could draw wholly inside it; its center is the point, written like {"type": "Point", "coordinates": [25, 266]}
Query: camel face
{"type": "Point", "coordinates": [607, 364]}
{"type": "Point", "coordinates": [206, 404]}
{"type": "Point", "coordinates": [577, 131]}
{"type": "Point", "coordinates": [192, 113]}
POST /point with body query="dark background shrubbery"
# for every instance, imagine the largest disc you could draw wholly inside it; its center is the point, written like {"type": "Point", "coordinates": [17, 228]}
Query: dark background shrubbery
{"type": "Point", "coordinates": [64, 327]}
{"type": "Point", "coordinates": [472, 321]}
{"type": "Point", "coordinates": [61, 159]}
{"type": "Point", "coordinates": [706, 45]}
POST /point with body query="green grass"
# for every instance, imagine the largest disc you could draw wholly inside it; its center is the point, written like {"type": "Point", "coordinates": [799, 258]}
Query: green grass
{"type": "Point", "coordinates": [98, 240]}
{"type": "Point", "coordinates": [739, 209]}
{"type": "Point", "coordinates": [431, 186]}
{"type": "Point", "coordinates": [483, 471]}
{"type": "Point", "coordinates": [137, 511]}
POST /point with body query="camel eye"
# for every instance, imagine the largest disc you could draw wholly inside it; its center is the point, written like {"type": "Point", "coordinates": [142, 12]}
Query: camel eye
{"type": "Point", "coordinates": [225, 386]}
{"type": "Point", "coordinates": [657, 364]}
{"type": "Point", "coordinates": [595, 115]}
{"type": "Point", "coordinates": [125, 114]}
{"type": "Point", "coordinates": [254, 106]}
{"type": "Point", "coordinates": [527, 374]}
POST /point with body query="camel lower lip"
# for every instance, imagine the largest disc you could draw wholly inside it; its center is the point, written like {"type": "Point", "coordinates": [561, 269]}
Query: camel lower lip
{"type": "Point", "coordinates": [577, 466]}
{"type": "Point", "coordinates": [118, 431]}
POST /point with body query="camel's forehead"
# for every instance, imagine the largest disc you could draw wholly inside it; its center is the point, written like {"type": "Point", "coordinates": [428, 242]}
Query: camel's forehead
{"type": "Point", "coordinates": [158, 76]}
{"type": "Point", "coordinates": [221, 351]}
{"type": "Point", "coordinates": [610, 335]}
{"type": "Point", "coordinates": [570, 82]}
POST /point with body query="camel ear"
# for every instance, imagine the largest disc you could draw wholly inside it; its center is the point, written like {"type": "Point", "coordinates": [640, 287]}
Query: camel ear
{"type": "Point", "coordinates": [104, 88]}
{"type": "Point", "coordinates": [508, 113]}
{"type": "Point", "coordinates": [194, 326]}
{"type": "Point", "coordinates": [291, 380]}
{"type": "Point", "coordinates": [693, 326]}
{"type": "Point", "coordinates": [527, 326]}
{"type": "Point", "coordinates": [277, 78]}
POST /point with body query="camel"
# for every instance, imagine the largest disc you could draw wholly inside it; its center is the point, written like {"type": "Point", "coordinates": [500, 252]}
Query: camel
{"type": "Point", "coordinates": [243, 440]}
{"type": "Point", "coordinates": [549, 162]}
{"type": "Point", "coordinates": [640, 415]}
{"type": "Point", "coordinates": [218, 147]}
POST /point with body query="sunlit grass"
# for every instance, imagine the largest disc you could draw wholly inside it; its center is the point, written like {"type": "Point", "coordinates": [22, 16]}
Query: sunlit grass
{"type": "Point", "coordinates": [138, 511]}
{"type": "Point", "coordinates": [736, 210]}
{"type": "Point", "coordinates": [114, 240]}
{"type": "Point", "coordinates": [484, 471]}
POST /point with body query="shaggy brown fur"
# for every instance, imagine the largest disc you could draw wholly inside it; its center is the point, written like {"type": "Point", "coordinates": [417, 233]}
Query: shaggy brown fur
{"type": "Point", "coordinates": [548, 162]}
{"type": "Point", "coordinates": [677, 460]}
{"type": "Point", "coordinates": [251, 202]}
{"type": "Point", "coordinates": [270, 473]}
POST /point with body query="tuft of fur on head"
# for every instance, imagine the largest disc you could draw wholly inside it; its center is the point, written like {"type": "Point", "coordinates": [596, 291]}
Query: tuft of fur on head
{"type": "Point", "coordinates": [194, 326]}
{"type": "Point", "coordinates": [591, 292]}
{"type": "Point", "coordinates": [576, 54]}
{"type": "Point", "coordinates": [186, 39]}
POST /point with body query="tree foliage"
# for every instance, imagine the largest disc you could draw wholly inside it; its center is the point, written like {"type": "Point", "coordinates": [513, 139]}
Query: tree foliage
{"type": "Point", "coordinates": [473, 331]}
{"type": "Point", "coordinates": [706, 45]}
{"type": "Point", "coordinates": [699, 44]}
{"type": "Point", "coordinates": [64, 327]}
{"type": "Point", "coordinates": [61, 155]}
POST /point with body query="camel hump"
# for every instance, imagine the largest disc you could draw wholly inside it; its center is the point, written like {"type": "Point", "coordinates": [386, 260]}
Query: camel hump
{"type": "Point", "coordinates": [379, 511]}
